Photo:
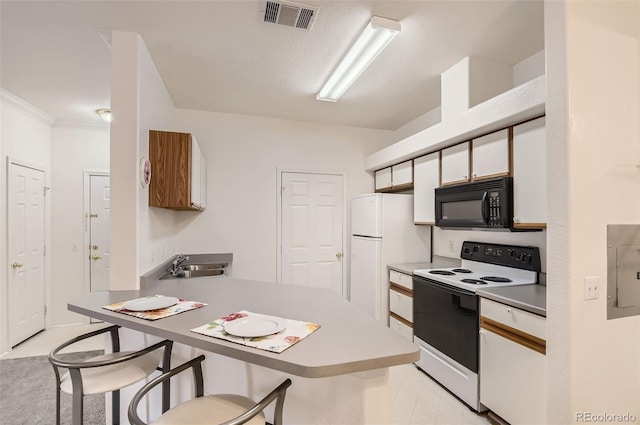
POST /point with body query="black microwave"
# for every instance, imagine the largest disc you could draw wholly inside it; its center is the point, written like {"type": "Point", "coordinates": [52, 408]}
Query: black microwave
{"type": "Point", "coordinates": [486, 204]}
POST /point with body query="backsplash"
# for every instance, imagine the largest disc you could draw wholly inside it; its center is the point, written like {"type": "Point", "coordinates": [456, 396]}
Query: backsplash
{"type": "Point", "coordinates": [447, 243]}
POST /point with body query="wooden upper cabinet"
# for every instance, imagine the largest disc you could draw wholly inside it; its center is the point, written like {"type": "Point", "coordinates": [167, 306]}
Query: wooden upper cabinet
{"type": "Point", "coordinates": [176, 169]}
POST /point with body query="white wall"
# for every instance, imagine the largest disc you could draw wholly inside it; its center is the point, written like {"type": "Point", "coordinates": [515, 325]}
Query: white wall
{"type": "Point", "coordinates": [420, 123]}
{"type": "Point", "coordinates": [593, 110]}
{"type": "Point", "coordinates": [140, 237]}
{"type": "Point", "coordinates": [156, 226]}
{"type": "Point", "coordinates": [73, 151]}
{"type": "Point", "coordinates": [528, 69]}
{"type": "Point", "coordinates": [243, 154]}
{"type": "Point", "coordinates": [25, 135]}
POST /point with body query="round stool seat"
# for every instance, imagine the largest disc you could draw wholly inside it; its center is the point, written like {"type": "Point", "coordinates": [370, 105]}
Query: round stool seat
{"type": "Point", "coordinates": [104, 379]}
{"type": "Point", "coordinates": [211, 409]}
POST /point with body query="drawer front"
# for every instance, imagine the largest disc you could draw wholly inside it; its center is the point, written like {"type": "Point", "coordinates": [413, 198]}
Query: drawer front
{"type": "Point", "coordinates": [401, 328]}
{"type": "Point", "coordinates": [401, 305]}
{"type": "Point", "coordinates": [514, 317]}
{"type": "Point", "coordinates": [402, 279]}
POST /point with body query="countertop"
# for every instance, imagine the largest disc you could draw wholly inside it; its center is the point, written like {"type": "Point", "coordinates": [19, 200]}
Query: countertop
{"type": "Point", "coordinates": [348, 341]}
{"type": "Point", "coordinates": [437, 263]}
{"type": "Point", "coordinates": [532, 298]}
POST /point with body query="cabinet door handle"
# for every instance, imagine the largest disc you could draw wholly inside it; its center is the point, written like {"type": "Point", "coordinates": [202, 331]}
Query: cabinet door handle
{"type": "Point", "coordinates": [339, 255]}
{"type": "Point", "coordinates": [16, 265]}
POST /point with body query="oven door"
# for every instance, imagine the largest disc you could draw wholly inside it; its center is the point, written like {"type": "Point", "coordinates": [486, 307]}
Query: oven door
{"type": "Point", "coordinates": [447, 319]}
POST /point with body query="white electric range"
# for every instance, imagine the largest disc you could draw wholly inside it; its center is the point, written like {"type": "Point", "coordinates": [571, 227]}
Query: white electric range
{"type": "Point", "coordinates": [446, 310]}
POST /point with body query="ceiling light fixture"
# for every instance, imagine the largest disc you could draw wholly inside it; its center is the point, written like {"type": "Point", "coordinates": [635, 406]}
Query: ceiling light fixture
{"type": "Point", "coordinates": [105, 114]}
{"type": "Point", "coordinates": [375, 37]}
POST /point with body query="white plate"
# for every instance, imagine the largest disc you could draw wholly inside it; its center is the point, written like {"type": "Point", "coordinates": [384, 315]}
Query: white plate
{"type": "Point", "coordinates": [150, 303]}
{"type": "Point", "coordinates": [253, 326]}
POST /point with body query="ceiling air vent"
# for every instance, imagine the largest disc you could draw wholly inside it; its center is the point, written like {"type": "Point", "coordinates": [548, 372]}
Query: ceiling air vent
{"type": "Point", "coordinates": [289, 14]}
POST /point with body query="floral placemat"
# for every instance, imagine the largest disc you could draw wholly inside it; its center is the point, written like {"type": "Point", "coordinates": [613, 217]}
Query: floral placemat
{"type": "Point", "coordinates": [294, 331]}
{"type": "Point", "coordinates": [161, 313]}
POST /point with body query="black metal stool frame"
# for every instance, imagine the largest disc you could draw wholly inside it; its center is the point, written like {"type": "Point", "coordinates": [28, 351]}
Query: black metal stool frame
{"type": "Point", "coordinates": [76, 377]}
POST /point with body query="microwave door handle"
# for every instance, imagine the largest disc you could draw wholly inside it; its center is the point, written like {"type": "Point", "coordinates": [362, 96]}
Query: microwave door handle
{"type": "Point", "coordinates": [485, 208]}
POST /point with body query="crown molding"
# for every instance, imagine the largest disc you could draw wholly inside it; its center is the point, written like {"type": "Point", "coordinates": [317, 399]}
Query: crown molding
{"type": "Point", "coordinates": [82, 125]}
{"type": "Point", "coordinates": [20, 105]}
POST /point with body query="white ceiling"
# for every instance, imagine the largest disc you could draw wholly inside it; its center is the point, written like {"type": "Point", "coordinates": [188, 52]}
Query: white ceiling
{"type": "Point", "coordinates": [219, 56]}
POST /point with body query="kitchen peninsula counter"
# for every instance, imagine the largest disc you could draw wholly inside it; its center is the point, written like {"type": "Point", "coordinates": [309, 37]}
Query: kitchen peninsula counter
{"type": "Point", "coordinates": [340, 372]}
{"type": "Point", "coordinates": [348, 341]}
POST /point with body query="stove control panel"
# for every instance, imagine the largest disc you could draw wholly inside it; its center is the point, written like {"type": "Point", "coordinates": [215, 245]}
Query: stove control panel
{"type": "Point", "coordinates": [519, 257]}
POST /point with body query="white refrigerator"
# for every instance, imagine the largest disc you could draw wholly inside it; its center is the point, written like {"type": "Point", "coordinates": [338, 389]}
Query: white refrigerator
{"type": "Point", "coordinates": [382, 233]}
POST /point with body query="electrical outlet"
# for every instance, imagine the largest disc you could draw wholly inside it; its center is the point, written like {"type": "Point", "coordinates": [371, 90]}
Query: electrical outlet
{"type": "Point", "coordinates": [452, 247]}
{"type": "Point", "coordinates": [592, 286]}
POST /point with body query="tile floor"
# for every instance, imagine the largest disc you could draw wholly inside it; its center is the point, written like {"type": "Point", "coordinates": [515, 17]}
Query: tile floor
{"type": "Point", "coordinates": [42, 343]}
{"type": "Point", "coordinates": [415, 398]}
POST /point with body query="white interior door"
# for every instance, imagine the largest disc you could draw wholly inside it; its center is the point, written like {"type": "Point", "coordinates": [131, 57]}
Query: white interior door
{"type": "Point", "coordinates": [312, 230]}
{"type": "Point", "coordinates": [26, 251]}
{"type": "Point", "coordinates": [99, 231]}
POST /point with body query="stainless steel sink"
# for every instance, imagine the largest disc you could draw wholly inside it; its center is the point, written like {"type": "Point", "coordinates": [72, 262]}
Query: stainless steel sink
{"type": "Point", "coordinates": [199, 273]}
{"type": "Point", "coordinates": [197, 270]}
{"type": "Point", "coordinates": [202, 267]}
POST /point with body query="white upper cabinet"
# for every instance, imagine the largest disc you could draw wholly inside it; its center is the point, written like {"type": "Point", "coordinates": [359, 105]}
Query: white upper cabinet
{"type": "Point", "coordinates": [383, 179]}
{"type": "Point", "coordinates": [530, 174]}
{"type": "Point", "coordinates": [395, 178]}
{"type": "Point", "coordinates": [198, 176]}
{"type": "Point", "coordinates": [455, 164]}
{"type": "Point", "coordinates": [490, 155]}
{"type": "Point", "coordinates": [402, 174]}
{"type": "Point", "coordinates": [426, 174]}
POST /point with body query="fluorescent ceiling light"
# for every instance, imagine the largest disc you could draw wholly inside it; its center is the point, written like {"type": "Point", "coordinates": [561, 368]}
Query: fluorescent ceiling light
{"type": "Point", "coordinates": [371, 42]}
{"type": "Point", "coordinates": [105, 114]}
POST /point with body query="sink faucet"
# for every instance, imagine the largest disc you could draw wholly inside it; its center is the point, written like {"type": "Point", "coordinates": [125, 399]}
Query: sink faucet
{"type": "Point", "coordinates": [176, 263]}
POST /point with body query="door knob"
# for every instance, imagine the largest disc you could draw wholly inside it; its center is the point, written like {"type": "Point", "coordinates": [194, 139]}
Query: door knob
{"type": "Point", "coordinates": [339, 255]}
{"type": "Point", "coordinates": [94, 247]}
{"type": "Point", "coordinates": [16, 265]}
{"type": "Point", "coordinates": [95, 257]}
{"type": "Point", "coordinates": [93, 215]}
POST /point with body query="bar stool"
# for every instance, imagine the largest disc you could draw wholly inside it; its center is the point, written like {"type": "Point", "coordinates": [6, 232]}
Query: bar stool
{"type": "Point", "coordinates": [107, 373]}
{"type": "Point", "coordinates": [223, 409]}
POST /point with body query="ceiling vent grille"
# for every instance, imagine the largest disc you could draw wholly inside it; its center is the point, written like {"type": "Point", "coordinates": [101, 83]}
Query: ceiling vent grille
{"type": "Point", "coordinates": [289, 14]}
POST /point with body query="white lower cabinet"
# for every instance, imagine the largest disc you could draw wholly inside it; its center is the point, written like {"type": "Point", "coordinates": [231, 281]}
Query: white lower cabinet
{"type": "Point", "coordinates": [512, 363]}
{"type": "Point", "coordinates": [401, 328]}
{"type": "Point", "coordinates": [401, 303]}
